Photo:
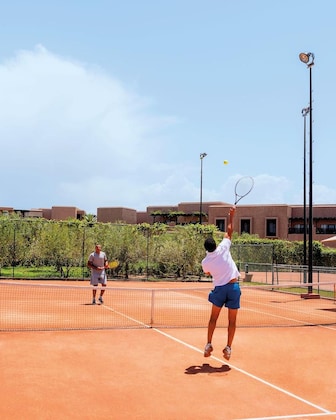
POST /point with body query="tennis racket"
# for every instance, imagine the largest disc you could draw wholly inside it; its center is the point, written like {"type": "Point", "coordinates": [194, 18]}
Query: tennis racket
{"type": "Point", "coordinates": [113, 264]}
{"type": "Point", "coordinates": [243, 187]}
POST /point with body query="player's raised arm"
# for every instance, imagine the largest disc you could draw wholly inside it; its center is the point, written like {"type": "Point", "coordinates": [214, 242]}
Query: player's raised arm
{"type": "Point", "coordinates": [230, 223]}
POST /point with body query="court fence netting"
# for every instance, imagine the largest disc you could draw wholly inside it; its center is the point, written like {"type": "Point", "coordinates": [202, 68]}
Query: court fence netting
{"type": "Point", "coordinates": [56, 307]}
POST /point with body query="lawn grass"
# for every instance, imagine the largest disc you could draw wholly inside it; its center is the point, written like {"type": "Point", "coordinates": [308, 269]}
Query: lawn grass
{"type": "Point", "coordinates": [297, 290]}
{"type": "Point", "coordinates": [20, 272]}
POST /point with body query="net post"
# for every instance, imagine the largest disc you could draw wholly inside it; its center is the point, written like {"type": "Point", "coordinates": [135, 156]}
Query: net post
{"type": "Point", "coordinates": [152, 308]}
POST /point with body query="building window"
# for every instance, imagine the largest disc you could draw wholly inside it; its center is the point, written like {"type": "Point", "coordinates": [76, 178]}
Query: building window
{"type": "Point", "coordinates": [327, 229]}
{"type": "Point", "coordinates": [271, 227]}
{"type": "Point", "coordinates": [298, 228]}
{"type": "Point", "coordinates": [245, 225]}
{"type": "Point", "coordinates": [220, 223]}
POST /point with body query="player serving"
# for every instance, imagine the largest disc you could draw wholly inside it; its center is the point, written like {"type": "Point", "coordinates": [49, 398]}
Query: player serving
{"type": "Point", "coordinates": [219, 264]}
{"type": "Point", "coordinates": [98, 264]}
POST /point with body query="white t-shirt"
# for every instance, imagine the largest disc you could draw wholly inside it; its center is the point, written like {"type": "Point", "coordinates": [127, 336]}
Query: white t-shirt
{"type": "Point", "coordinates": [220, 264]}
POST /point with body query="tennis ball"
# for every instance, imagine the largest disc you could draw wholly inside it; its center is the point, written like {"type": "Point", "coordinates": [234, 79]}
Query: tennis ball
{"type": "Point", "coordinates": [226, 162]}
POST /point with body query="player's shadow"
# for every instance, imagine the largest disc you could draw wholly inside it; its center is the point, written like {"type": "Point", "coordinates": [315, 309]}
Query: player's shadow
{"type": "Point", "coordinates": [206, 368]}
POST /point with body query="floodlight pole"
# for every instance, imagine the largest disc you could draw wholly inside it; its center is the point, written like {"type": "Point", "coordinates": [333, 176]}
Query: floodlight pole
{"type": "Point", "coordinates": [202, 156]}
{"type": "Point", "coordinates": [308, 58]}
{"type": "Point", "coordinates": [305, 112]}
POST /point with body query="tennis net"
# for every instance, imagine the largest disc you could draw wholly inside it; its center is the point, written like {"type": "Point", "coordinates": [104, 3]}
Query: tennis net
{"type": "Point", "coordinates": [46, 307]}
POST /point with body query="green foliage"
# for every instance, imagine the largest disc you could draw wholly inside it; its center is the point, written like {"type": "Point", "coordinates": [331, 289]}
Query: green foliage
{"type": "Point", "coordinates": [156, 250]}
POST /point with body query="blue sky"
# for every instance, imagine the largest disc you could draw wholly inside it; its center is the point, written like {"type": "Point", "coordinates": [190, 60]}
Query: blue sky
{"type": "Point", "coordinates": [110, 103]}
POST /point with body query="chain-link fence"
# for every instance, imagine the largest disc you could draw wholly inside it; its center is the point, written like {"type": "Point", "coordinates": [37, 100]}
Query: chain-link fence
{"type": "Point", "coordinates": [49, 249]}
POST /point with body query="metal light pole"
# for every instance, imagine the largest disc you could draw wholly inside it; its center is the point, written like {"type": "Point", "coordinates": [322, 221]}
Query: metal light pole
{"type": "Point", "coordinates": [202, 156]}
{"type": "Point", "coordinates": [308, 58]}
{"type": "Point", "coordinates": [305, 112]}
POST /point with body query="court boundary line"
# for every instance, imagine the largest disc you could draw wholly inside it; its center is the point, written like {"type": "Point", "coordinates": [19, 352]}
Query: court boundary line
{"type": "Point", "coordinates": [285, 318]}
{"type": "Point", "coordinates": [197, 297]}
{"type": "Point", "coordinates": [183, 293]}
{"type": "Point", "coordinates": [250, 375]}
{"type": "Point", "coordinates": [109, 308]}
{"type": "Point", "coordinates": [262, 312]}
{"type": "Point", "coordinates": [324, 412]}
{"type": "Point", "coordinates": [294, 416]}
{"type": "Point", "coordinates": [269, 305]}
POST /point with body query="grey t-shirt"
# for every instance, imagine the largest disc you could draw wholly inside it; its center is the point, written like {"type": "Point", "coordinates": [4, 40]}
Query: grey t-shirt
{"type": "Point", "coordinates": [98, 276]}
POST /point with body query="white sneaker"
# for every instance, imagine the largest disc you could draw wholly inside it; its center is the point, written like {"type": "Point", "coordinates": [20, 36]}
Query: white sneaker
{"type": "Point", "coordinates": [208, 349]}
{"type": "Point", "coordinates": [227, 353]}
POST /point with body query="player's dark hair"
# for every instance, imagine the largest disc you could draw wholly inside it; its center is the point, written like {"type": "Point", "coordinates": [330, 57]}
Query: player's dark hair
{"type": "Point", "coordinates": [210, 244]}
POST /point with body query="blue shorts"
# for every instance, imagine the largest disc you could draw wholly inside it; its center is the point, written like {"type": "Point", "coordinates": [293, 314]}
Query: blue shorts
{"type": "Point", "coordinates": [228, 295]}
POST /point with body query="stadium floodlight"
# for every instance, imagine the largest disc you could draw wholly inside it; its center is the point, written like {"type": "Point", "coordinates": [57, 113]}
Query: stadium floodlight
{"type": "Point", "coordinates": [308, 58]}
{"type": "Point", "coordinates": [202, 156]}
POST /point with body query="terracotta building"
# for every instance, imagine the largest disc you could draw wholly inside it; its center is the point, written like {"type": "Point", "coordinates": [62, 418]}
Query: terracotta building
{"type": "Point", "coordinates": [278, 221]}
{"type": "Point", "coordinates": [116, 214]}
{"type": "Point", "coordinates": [55, 213]}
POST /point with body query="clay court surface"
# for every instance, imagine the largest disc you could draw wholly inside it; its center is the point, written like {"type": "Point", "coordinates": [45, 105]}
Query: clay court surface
{"type": "Point", "coordinates": [275, 372]}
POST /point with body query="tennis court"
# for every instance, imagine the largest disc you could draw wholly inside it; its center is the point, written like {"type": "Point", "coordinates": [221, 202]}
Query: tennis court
{"type": "Point", "coordinates": [140, 355]}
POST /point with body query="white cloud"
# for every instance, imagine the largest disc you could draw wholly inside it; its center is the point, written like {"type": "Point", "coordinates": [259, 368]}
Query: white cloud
{"type": "Point", "coordinates": [323, 194]}
{"type": "Point", "coordinates": [270, 189]}
{"type": "Point", "coordinates": [267, 189]}
{"type": "Point", "coordinates": [73, 135]}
